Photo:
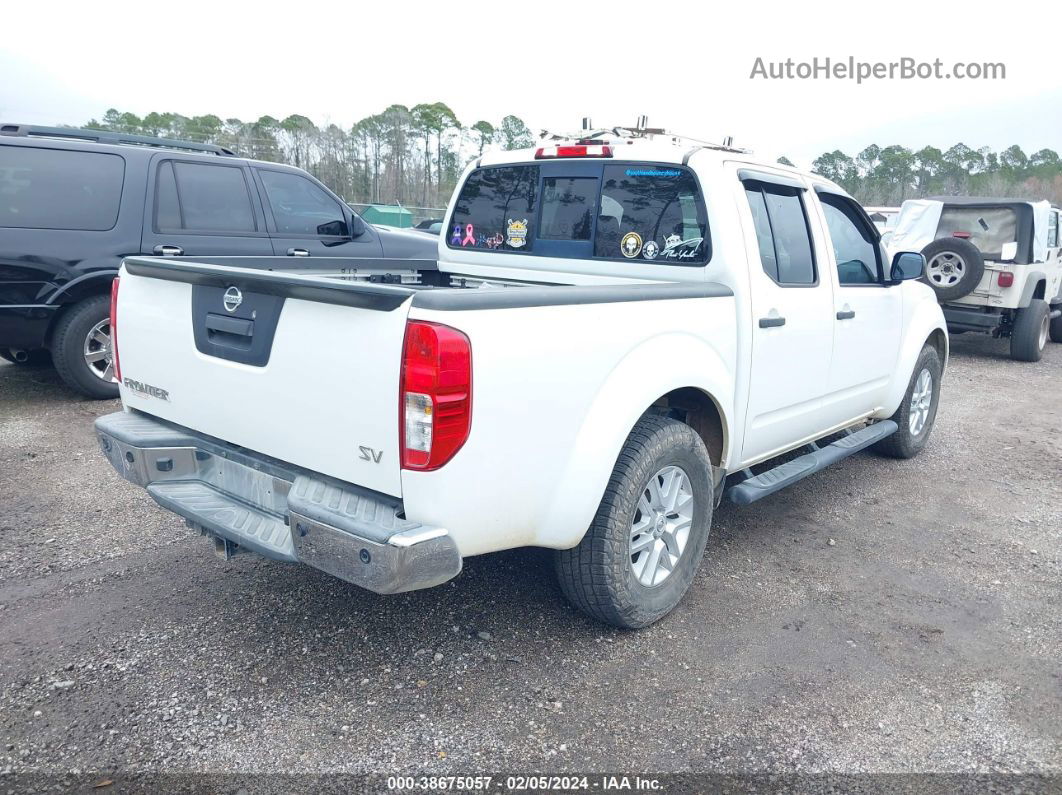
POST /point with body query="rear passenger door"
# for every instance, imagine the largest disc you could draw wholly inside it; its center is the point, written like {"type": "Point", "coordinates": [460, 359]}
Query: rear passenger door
{"type": "Point", "coordinates": [197, 207]}
{"type": "Point", "coordinates": [305, 220]}
{"type": "Point", "coordinates": [792, 317]}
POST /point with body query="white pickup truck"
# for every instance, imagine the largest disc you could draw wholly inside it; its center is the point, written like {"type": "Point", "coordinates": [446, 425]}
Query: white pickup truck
{"type": "Point", "coordinates": [620, 330]}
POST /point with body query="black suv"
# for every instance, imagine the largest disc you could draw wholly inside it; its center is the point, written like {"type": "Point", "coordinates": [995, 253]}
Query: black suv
{"type": "Point", "coordinates": [73, 203]}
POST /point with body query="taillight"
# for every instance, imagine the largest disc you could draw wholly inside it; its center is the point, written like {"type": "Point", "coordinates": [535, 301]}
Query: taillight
{"type": "Point", "coordinates": [435, 398]}
{"type": "Point", "coordinates": [597, 150]}
{"type": "Point", "coordinates": [114, 330]}
{"type": "Point", "coordinates": [1005, 279]}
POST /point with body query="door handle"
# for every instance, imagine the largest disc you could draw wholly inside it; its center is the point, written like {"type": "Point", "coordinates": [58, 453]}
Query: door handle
{"type": "Point", "coordinates": [298, 252]}
{"type": "Point", "coordinates": [771, 322]}
{"type": "Point", "coordinates": [167, 251]}
{"type": "Point", "coordinates": [847, 314]}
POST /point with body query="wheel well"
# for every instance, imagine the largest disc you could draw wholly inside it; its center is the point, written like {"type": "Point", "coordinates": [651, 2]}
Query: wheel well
{"type": "Point", "coordinates": [76, 292]}
{"type": "Point", "coordinates": [940, 343]}
{"type": "Point", "coordinates": [698, 410]}
{"type": "Point", "coordinates": [1041, 289]}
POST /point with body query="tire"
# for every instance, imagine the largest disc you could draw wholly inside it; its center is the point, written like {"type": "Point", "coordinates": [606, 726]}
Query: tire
{"type": "Point", "coordinates": [34, 358]}
{"type": "Point", "coordinates": [69, 345]}
{"type": "Point", "coordinates": [601, 576]}
{"type": "Point", "coordinates": [1028, 336]}
{"type": "Point", "coordinates": [1055, 329]}
{"type": "Point", "coordinates": [911, 435]}
{"type": "Point", "coordinates": [954, 267]}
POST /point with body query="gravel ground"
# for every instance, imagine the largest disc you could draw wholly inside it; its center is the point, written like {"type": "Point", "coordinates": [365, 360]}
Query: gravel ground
{"type": "Point", "coordinates": [885, 617]}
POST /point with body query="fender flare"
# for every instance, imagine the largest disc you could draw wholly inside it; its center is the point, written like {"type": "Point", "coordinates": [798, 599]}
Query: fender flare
{"type": "Point", "coordinates": [686, 361]}
{"type": "Point", "coordinates": [74, 285]}
{"type": "Point", "coordinates": [1032, 278]}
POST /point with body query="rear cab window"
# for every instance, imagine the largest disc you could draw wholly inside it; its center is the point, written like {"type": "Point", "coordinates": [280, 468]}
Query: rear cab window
{"type": "Point", "coordinates": [43, 188]}
{"type": "Point", "coordinates": [585, 210]}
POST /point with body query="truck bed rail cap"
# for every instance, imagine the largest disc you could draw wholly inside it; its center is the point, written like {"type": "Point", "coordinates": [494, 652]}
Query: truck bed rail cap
{"type": "Point", "coordinates": [524, 297]}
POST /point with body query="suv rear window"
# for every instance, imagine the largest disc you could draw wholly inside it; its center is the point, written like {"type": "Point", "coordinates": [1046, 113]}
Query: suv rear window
{"type": "Point", "coordinates": [634, 211]}
{"type": "Point", "coordinates": [988, 228]}
{"type": "Point", "coordinates": [202, 198]}
{"type": "Point", "coordinates": [59, 188]}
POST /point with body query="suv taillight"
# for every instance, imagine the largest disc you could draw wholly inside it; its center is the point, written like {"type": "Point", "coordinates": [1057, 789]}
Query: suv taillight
{"type": "Point", "coordinates": [114, 330]}
{"type": "Point", "coordinates": [435, 396]}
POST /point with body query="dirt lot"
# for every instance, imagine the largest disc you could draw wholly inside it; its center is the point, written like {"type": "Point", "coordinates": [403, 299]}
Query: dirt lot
{"type": "Point", "coordinates": [886, 616]}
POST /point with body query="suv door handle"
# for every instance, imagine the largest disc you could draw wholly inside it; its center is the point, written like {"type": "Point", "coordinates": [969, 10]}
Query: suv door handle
{"type": "Point", "coordinates": [167, 251]}
{"type": "Point", "coordinates": [847, 314]}
{"type": "Point", "coordinates": [298, 252]}
{"type": "Point", "coordinates": [771, 322]}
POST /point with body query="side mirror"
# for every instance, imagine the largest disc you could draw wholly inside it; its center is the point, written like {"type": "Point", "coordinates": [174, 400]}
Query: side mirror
{"type": "Point", "coordinates": [332, 229]}
{"type": "Point", "coordinates": [1009, 252]}
{"type": "Point", "coordinates": [357, 226]}
{"type": "Point", "coordinates": [907, 265]}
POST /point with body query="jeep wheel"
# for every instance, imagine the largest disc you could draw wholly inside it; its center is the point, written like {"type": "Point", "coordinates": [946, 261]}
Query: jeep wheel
{"type": "Point", "coordinates": [918, 410]}
{"type": "Point", "coordinates": [954, 267]}
{"type": "Point", "coordinates": [644, 546]}
{"type": "Point", "coordinates": [81, 348]}
{"type": "Point", "coordinates": [1028, 337]}
{"type": "Point", "coordinates": [1055, 330]}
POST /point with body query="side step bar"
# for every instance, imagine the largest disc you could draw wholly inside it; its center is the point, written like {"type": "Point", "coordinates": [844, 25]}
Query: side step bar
{"type": "Point", "coordinates": [759, 486]}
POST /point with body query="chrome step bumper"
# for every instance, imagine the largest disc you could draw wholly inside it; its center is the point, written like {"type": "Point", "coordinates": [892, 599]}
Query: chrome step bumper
{"type": "Point", "coordinates": [278, 510]}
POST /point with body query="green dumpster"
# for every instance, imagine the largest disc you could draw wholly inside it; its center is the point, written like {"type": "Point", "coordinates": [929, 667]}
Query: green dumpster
{"type": "Point", "coordinates": [388, 215]}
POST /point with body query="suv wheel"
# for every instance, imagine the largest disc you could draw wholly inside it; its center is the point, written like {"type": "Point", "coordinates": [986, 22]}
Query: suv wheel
{"type": "Point", "coordinates": [81, 348]}
{"type": "Point", "coordinates": [1028, 337]}
{"type": "Point", "coordinates": [642, 550]}
{"type": "Point", "coordinates": [917, 411]}
{"type": "Point", "coordinates": [954, 267]}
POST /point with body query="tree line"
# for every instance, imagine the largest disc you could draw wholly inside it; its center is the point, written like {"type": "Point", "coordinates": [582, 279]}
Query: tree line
{"type": "Point", "coordinates": [887, 176]}
{"type": "Point", "coordinates": [409, 155]}
{"type": "Point", "coordinates": [415, 156]}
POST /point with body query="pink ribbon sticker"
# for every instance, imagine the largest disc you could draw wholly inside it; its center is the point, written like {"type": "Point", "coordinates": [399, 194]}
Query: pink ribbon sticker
{"type": "Point", "coordinates": [470, 239]}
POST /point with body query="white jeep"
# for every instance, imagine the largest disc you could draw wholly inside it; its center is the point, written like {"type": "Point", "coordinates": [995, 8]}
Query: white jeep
{"type": "Point", "coordinates": [621, 329]}
{"type": "Point", "coordinates": [996, 265]}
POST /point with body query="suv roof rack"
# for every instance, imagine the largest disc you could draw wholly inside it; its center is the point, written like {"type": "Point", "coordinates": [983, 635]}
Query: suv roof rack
{"type": "Point", "coordinates": [109, 137]}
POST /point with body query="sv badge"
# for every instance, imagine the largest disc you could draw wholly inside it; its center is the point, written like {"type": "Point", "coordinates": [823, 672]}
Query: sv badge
{"type": "Point", "coordinates": [368, 454]}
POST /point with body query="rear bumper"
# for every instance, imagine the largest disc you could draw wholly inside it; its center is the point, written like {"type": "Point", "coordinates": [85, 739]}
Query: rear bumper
{"type": "Point", "coordinates": [277, 510]}
{"type": "Point", "coordinates": [972, 319]}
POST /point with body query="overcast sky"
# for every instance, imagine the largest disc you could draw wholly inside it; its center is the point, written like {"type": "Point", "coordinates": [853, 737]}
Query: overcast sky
{"type": "Point", "coordinates": [685, 65]}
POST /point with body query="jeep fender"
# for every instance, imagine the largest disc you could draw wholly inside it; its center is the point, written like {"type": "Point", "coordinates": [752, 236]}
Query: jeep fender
{"type": "Point", "coordinates": [922, 317]}
{"type": "Point", "coordinates": [677, 361]}
{"type": "Point", "coordinates": [1032, 278]}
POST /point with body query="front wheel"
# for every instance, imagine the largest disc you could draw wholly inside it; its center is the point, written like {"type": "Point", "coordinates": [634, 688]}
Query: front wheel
{"type": "Point", "coordinates": [918, 410]}
{"type": "Point", "coordinates": [1028, 337]}
{"type": "Point", "coordinates": [642, 550]}
{"type": "Point", "coordinates": [82, 351]}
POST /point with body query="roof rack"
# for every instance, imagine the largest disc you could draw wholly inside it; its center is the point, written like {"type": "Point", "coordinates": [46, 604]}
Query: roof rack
{"type": "Point", "coordinates": [109, 137]}
{"type": "Point", "coordinates": [641, 130]}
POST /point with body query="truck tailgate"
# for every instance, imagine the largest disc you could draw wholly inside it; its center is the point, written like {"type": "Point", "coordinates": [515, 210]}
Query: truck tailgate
{"type": "Point", "coordinates": [296, 367]}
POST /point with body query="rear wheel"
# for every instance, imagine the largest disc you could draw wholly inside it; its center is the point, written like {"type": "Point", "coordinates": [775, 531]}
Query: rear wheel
{"type": "Point", "coordinates": [81, 348]}
{"type": "Point", "coordinates": [918, 410]}
{"type": "Point", "coordinates": [642, 550]}
{"type": "Point", "coordinates": [1028, 337]}
{"type": "Point", "coordinates": [1055, 330]}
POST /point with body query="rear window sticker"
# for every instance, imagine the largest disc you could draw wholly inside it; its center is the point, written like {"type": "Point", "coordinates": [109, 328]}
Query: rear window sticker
{"type": "Point", "coordinates": [631, 245]}
{"type": "Point", "coordinates": [516, 232]}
